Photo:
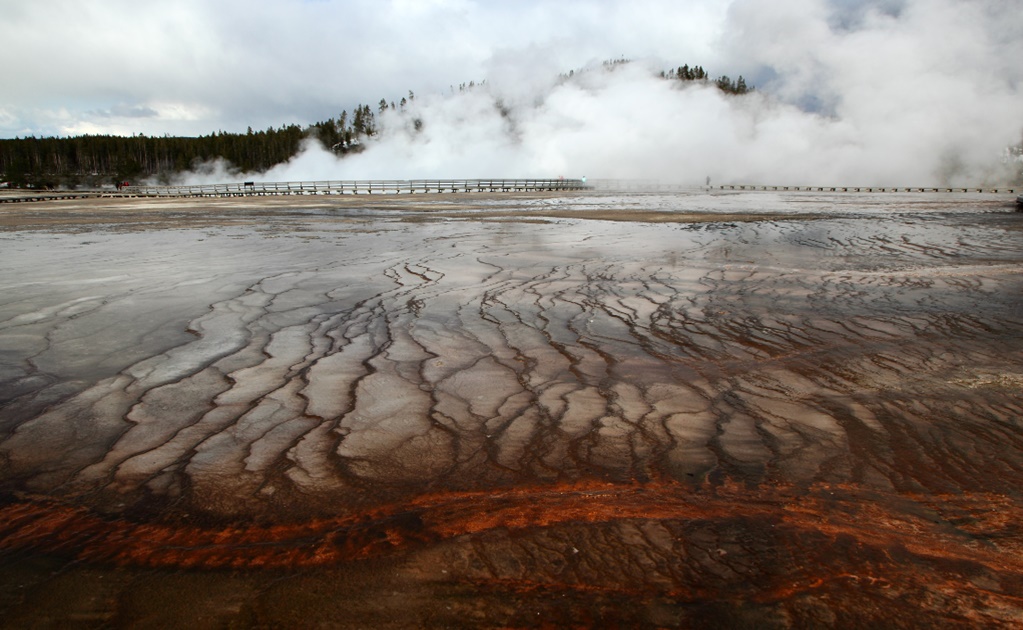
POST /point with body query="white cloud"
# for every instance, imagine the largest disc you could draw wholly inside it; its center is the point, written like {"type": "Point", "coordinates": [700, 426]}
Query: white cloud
{"type": "Point", "coordinates": [850, 91]}
{"type": "Point", "coordinates": [282, 61]}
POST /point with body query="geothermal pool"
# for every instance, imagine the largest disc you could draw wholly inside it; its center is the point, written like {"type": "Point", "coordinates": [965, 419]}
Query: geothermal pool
{"type": "Point", "coordinates": [649, 409]}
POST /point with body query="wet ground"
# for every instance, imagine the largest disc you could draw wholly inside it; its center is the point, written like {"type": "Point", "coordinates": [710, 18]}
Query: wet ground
{"type": "Point", "coordinates": [661, 410]}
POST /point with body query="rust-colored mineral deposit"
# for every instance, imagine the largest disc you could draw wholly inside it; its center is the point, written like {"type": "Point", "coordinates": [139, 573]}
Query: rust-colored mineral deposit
{"type": "Point", "coordinates": [715, 410]}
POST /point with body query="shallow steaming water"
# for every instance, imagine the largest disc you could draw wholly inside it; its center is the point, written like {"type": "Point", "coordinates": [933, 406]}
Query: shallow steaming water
{"type": "Point", "coordinates": [785, 421]}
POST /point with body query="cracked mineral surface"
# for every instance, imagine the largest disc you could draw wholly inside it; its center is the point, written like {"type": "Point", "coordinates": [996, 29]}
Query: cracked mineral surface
{"type": "Point", "coordinates": [644, 409]}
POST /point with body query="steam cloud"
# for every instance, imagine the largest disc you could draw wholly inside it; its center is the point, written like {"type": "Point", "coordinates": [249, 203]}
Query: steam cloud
{"type": "Point", "coordinates": [921, 92]}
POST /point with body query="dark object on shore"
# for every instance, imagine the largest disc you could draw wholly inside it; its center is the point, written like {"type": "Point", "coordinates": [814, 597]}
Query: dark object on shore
{"type": "Point", "coordinates": [1019, 203]}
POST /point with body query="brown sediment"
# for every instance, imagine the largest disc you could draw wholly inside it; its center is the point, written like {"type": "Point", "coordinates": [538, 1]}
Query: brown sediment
{"type": "Point", "coordinates": [793, 414]}
{"type": "Point", "coordinates": [839, 549]}
{"type": "Point", "coordinates": [968, 527]}
{"type": "Point", "coordinates": [129, 213]}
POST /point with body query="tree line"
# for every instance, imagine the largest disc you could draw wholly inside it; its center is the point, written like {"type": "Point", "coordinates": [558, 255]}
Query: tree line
{"type": "Point", "coordinates": [95, 160]}
{"type": "Point", "coordinates": [697, 73]}
{"type": "Point", "coordinates": [92, 160]}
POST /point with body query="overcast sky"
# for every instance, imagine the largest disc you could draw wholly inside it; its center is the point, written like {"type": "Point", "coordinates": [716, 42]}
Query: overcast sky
{"type": "Point", "coordinates": [195, 66]}
{"type": "Point", "coordinates": [877, 84]}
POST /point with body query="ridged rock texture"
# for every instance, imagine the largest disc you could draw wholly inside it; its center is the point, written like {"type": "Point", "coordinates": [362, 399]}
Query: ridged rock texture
{"type": "Point", "coordinates": [790, 420]}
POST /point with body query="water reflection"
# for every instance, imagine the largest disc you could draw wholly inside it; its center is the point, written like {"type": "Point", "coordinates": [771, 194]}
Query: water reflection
{"type": "Point", "coordinates": [810, 416]}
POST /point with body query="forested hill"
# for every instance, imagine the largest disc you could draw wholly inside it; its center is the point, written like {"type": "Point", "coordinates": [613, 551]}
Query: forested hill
{"type": "Point", "coordinates": [95, 160]}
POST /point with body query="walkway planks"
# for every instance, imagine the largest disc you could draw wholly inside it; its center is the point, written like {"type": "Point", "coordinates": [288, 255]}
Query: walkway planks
{"type": "Point", "coordinates": [354, 187]}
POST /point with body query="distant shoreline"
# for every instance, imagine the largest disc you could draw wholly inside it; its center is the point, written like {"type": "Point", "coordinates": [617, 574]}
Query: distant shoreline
{"type": "Point", "coordinates": [635, 207]}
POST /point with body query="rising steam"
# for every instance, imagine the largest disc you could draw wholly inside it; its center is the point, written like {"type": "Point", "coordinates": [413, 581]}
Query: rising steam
{"type": "Point", "coordinates": [922, 92]}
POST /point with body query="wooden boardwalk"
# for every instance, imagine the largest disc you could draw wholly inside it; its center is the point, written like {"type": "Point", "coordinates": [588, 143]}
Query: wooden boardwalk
{"type": "Point", "coordinates": [643, 185]}
{"type": "Point", "coordinates": [16, 196]}
{"type": "Point", "coordinates": [420, 186]}
{"type": "Point", "coordinates": [905, 189]}
{"type": "Point", "coordinates": [356, 187]}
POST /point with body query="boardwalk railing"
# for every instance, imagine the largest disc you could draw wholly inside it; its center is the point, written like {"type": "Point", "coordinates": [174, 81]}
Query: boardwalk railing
{"type": "Point", "coordinates": [347, 187]}
{"type": "Point", "coordinates": [908, 189]}
{"type": "Point", "coordinates": [657, 186]}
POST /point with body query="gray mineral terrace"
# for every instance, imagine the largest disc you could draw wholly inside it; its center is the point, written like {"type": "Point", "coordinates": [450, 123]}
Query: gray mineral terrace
{"type": "Point", "coordinates": [671, 408]}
